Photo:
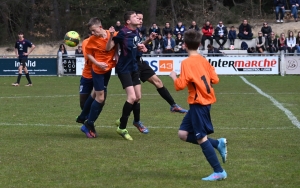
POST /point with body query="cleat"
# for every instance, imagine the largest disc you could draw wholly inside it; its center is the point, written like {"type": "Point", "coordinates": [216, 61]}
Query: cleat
{"type": "Point", "coordinates": [78, 120]}
{"type": "Point", "coordinates": [124, 134]}
{"type": "Point", "coordinates": [85, 131]}
{"type": "Point", "coordinates": [28, 84]}
{"type": "Point", "coordinates": [15, 84]}
{"type": "Point", "coordinates": [177, 108]}
{"type": "Point", "coordinates": [139, 125]}
{"type": "Point", "coordinates": [216, 176]}
{"type": "Point", "coordinates": [222, 148]}
{"type": "Point", "coordinates": [91, 129]}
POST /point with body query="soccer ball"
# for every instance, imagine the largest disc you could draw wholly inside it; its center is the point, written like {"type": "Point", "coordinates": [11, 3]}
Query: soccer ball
{"type": "Point", "coordinates": [72, 38]}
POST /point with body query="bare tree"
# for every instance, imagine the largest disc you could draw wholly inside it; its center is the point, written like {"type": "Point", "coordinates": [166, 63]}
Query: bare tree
{"type": "Point", "coordinates": [152, 10]}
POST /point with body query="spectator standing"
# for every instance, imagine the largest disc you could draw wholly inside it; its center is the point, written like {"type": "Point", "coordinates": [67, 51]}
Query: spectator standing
{"type": "Point", "coordinates": [260, 43]}
{"type": "Point", "coordinates": [298, 42]}
{"type": "Point", "coordinates": [167, 29]}
{"type": "Point", "coordinates": [294, 8]}
{"type": "Point", "coordinates": [272, 43]}
{"type": "Point", "coordinates": [232, 36]}
{"type": "Point", "coordinates": [282, 43]}
{"type": "Point", "coordinates": [279, 9]}
{"type": "Point", "coordinates": [207, 31]}
{"type": "Point", "coordinates": [159, 44]}
{"type": "Point", "coordinates": [154, 29]}
{"type": "Point", "coordinates": [118, 26]}
{"type": "Point", "coordinates": [179, 28]}
{"type": "Point", "coordinates": [78, 51]}
{"type": "Point", "coordinates": [169, 44]}
{"type": "Point", "coordinates": [194, 26]}
{"type": "Point", "coordinates": [63, 50]}
{"type": "Point", "coordinates": [245, 31]}
{"type": "Point", "coordinates": [221, 33]}
{"type": "Point", "coordinates": [291, 42]}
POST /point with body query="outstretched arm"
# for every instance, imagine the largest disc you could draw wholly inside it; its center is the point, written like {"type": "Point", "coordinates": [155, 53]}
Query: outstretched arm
{"type": "Point", "coordinates": [110, 43]}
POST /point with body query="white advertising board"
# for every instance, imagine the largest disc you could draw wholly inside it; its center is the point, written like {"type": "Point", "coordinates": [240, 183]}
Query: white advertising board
{"type": "Point", "coordinates": [292, 64]}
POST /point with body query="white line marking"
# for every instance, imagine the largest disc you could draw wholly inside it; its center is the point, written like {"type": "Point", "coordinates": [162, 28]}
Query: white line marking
{"type": "Point", "coordinates": [289, 114]}
{"type": "Point", "coordinates": [150, 127]}
{"type": "Point", "coordinates": [121, 94]}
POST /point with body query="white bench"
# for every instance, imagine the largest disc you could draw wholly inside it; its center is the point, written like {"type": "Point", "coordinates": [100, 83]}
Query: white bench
{"type": "Point", "coordinates": [237, 43]}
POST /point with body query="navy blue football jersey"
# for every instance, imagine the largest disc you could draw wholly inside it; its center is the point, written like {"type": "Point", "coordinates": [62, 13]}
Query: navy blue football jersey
{"type": "Point", "coordinates": [128, 41]}
{"type": "Point", "coordinates": [22, 47]}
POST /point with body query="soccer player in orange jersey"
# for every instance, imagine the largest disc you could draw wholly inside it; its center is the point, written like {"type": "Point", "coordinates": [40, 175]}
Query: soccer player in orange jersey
{"type": "Point", "coordinates": [198, 75]}
{"type": "Point", "coordinates": [102, 63]}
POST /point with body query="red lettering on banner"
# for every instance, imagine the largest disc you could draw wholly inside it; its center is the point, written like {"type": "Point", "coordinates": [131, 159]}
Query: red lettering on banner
{"type": "Point", "coordinates": [255, 63]}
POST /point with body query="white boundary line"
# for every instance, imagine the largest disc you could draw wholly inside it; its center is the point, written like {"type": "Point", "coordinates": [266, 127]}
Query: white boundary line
{"type": "Point", "coordinates": [287, 112]}
{"type": "Point", "coordinates": [150, 127]}
{"type": "Point", "coordinates": [121, 94]}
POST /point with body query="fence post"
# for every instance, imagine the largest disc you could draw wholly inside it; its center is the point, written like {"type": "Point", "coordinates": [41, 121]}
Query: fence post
{"type": "Point", "coordinates": [282, 63]}
{"type": "Point", "coordinates": [60, 68]}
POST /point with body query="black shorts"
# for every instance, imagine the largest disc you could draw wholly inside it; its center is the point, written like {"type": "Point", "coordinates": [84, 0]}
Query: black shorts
{"type": "Point", "coordinates": [145, 70]}
{"type": "Point", "coordinates": [23, 62]}
{"type": "Point", "coordinates": [129, 79]}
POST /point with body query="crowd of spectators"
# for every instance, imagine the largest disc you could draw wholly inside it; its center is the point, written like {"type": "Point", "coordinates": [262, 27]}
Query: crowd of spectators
{"type": "Point", "coordinates": [170, 40]}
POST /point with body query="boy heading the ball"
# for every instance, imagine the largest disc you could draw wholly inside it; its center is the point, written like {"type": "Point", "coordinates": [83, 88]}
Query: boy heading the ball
{"type": "Point", "coordinates": [198, 75]}
{"type": "Point", "coordinates": [102, 63]}
{"type": "Point", "coordinates": [127, 71]}
{"type": "Point", "coordinates": [21, 51]}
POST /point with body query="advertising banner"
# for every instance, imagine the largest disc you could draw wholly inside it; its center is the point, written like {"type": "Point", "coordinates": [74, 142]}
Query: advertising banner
{"type": "Point", "coordinates": [35, 66]}
{"type": "Point", "coordinates": [69, 65]}
{"type": "Point", "coordinates": [292, 64]}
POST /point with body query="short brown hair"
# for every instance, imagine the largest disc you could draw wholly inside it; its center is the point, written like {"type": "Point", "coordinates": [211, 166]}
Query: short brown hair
{"type": "Point", "coordinates": [94, 21]}
{"type": "Point", "coordinates": [192, 39]}
{"type": "Point", "coordinates": [127, 16]}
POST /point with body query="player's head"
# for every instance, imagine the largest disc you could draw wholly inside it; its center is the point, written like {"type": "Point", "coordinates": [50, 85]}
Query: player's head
{"type": "Point", "coordinates": [95, 26]}
{"type": "Point", "coordinates": [140, 16]}
{"type": "Point", "coordinates": [131, 19]}
{"type": "Point", "coordinates": [20, 34]}
{"type": "Point", "coordinates": [192, 39]}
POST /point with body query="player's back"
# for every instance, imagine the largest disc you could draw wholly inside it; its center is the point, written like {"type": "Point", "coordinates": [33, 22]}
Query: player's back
{"type": "Point", "coordinates": [199, 76]}
{"type": "Point", "coordinates": [86, 72]}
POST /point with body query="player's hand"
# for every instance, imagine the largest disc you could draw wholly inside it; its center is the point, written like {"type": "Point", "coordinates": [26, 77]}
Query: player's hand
{"type": "Point", "coordinates": [142, 47]}
{"type": "Point", "coordinates": [102, 65]}
{"type": "Point", "coordinates": [25, 53]}
{"type": "Point", "coordinates": [112, 30]}
{"type": "Point", "coordinates": [173, 75]}
{"type": "Point", "coordinates": [152, 36]}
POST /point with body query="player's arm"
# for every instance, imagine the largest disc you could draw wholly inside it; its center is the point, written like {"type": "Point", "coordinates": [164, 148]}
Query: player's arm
{"type": "Point", "coordinates": [101, 65]}
{"type": "Point", "coordinates": [16, 52]}
{"type": "Point", "coordinates": [152, 36]}
{"type": "Point", "coordinates": [214, 79]}
{"type": "Point", "coordinates": [31, 49]}
{"type": "Point", "coordinates": [110, 43]}
{"type": "Point", "coordinates": [181, 82]}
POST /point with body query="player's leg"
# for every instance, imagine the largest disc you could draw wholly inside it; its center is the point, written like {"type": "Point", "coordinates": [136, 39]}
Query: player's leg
{"type": "Point", "coordinates": [127, 83]}
{"type": "Point", "coordinates": [201, 122]}
{"type": "Point", "coordinates": [26, 73]}
{"type": "Point", "coordinates": [136, 108]}
{"type": "Point", "coordinates": [20, 69]}
{"type": "Point", "coordinates": [86, 98]}
{"type": "Point", "coordinates": [86, 108]}
{"type": "Point", "coordinates": [97, 104]}
{"type": "Point", "coordinates": [165, 94]}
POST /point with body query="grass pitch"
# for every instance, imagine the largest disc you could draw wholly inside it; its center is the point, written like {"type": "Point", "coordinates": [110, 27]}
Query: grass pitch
{"type": "Point", "coordinates": [42, 146]}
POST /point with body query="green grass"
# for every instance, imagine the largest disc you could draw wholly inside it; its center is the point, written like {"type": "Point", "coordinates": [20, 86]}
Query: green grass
{"type": "Point", "coordinates": [42, 146]}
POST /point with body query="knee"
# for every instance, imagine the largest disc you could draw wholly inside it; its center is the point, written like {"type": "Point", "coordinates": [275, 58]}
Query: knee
{"type": "Point", "coordinates": [138, 98]}
{"type": "Point", "coordinates": [100, 97]}
{"type": "Point", "coordinates": [131, 99]}
{"type": "Point", "coordinates": [182, 135]}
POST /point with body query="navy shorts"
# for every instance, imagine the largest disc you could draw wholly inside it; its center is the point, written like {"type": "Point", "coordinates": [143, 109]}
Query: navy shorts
{"type": "Point", "coordinates": [86, 85]}
{"type": "Point", "coordinates": [129, 79]}
{"type": "Point", "coordinates": [197, 121]}
{"type": "Point", "coordinates": [145, 70]}
{"type": "Point", "coordinates": [23, 62]}
{"type": "Point", "coordinates": [101, 81]}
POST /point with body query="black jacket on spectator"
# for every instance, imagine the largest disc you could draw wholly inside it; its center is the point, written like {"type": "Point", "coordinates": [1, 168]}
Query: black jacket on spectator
{"type": "Point", "coordinates": [266, 30]}
{"type": "Point", "coordinates": [118, 28]}
{"type": "Point", "coordinates": [157, 42]}
{"type": "Point", "coordinates": [143, 30]}
{"type": "Point", "coordinates": [243, 28]}
{"type": "Point", "coordinates": [279, 3]}
{"type": "Point", "coordinates": [167, 30]}
{"type": "Point", "coordinates": [194, 27]}
{"type": "Point", "coordinates": [155, 30]}
{"type": "Point", "coordinates": [218, 29]}
{"type": "Point", "coordinates": [214, 52]}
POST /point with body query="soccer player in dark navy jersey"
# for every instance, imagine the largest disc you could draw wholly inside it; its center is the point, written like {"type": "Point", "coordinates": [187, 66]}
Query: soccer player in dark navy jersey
{"type": "Point", "coordinates": [21, 51]}
{"type": "Point", "coordinates": [127, 71]}
{"type": "Point", "coordinates": [147, 74]}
